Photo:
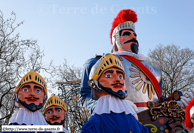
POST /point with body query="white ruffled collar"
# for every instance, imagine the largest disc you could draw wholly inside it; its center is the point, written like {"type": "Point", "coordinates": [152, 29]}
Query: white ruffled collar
{"type": "Point", "coordinates": [137, 56]}
{"type": "Point", "coordinates": [24, 116]}
{"type": "Point", "coordinates": [108, 103]}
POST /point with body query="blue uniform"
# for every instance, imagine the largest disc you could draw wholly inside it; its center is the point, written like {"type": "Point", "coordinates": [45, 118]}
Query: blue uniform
{"type": "Point", "coordinates": [113, 123]}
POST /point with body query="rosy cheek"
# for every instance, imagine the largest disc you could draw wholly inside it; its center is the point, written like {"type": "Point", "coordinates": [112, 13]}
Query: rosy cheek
{"type": "Point", "coordinates": [47, 117]}
{"type": "Point", "coordinates": [21, 95]}
{"type": "Point", "coordinates": [102, 80]}
{"type": "Point", "coordinates": [125, 88]}
{"type": "Point", "coordinates": [105, 82]}
{"type": "Point", "coordinates": [40, 95]}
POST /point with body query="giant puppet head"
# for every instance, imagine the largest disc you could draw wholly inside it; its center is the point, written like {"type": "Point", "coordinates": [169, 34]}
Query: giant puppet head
{"type": "Point", "coordinates": [123, 36]}
{"type": "Point", "coordinates": [189, 115]}
{"type": "Point", "coordinates": [107, 75]}
{"type": "Point", "coordinates": [31, 92]}
{"type": "Point", "coordinates": [54, 111]}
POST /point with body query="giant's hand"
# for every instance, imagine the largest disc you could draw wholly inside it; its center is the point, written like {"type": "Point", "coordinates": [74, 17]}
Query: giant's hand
{"type": "Point", "coordinates": [184, 101]}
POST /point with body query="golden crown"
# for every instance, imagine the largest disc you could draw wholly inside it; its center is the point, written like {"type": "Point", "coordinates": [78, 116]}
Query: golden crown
{"type": "Point", "coordinates": [103, 64]}
{"type": "Point", "coordinates": [54, 101]}
{"type": "Point", "coordinates": [32, 77]}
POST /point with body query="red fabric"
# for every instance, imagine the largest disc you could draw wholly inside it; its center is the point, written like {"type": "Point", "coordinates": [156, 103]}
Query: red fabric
{"type": "Point", "coordinates": [147, 73]}
{"type": "Point", "coordinates": [123, 16]}
{"type": "Point", "coordinates": [143, 104]}
{"type": "Point", "coordinates": [187, 122]}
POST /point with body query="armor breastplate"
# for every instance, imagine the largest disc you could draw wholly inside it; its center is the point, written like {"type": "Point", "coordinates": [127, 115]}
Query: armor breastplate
{"type": "Point", "coordinates": [139, 87]}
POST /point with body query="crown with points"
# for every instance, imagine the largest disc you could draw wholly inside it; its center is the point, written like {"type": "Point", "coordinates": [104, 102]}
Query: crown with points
{"type": "Point", "coordinates": [32, 77]}
{"type": "Point", "coordinates": [54, 101]}
{"type": "Point", "coordinates": [104, 63]}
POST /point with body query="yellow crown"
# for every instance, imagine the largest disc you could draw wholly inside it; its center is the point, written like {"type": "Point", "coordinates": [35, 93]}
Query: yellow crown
{"type": "Point", "coordinates": [32, 77]}
{"type": "Point", "coordinates": [103, 64]}
{"type": "Point", "coordinates": [54, 101]}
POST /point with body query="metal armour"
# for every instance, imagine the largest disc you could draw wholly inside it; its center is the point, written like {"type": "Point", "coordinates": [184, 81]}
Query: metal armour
{"type": "Point", "coordinates": [139, 87]}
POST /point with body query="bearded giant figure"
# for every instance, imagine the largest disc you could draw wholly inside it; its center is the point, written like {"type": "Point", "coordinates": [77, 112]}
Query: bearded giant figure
{"type": "Point", "coordinates": [142, 80]}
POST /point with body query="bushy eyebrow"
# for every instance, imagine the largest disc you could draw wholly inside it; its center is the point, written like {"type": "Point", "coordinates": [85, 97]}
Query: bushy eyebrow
{"type": "Point", "coordinates": [49, 109]}
{"type": "Point", "coordinates": [57, 108]}
{"type": "Point", "coordinates": [120, 72]}
{"type": "Point", "coordinates": [126, 33]}
{"type": "Point", "coordinates": [27, 86]}
{"type": "Point", "coordinates": [109, 71]}
{"type": "Point", "coordinates": [38, 87]}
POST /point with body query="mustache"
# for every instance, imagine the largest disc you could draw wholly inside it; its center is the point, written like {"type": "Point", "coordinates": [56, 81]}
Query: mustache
{"type": "Point", "coordinates": [54, 117]}
{"type": "Point", "coordinates": [132, 40]}
{"type": "Point", "coordinates": [31, 97]}
{"type": "Point", "coordinates": [117, 84]}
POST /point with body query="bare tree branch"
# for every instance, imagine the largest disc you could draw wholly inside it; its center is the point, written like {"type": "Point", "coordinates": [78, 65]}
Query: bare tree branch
{"type": "Point", "coordinates": [177, 66]}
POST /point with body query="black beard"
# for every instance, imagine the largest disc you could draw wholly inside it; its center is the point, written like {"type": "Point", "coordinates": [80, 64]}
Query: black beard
{"type": "Point", "coordinates": [56, 123]}
{"type": "Point", "coordinates": [120, 94]}
{"type": "Point", "coordinates": [134, 48]}
{"type": "Point", "coordinates": [32, 107]}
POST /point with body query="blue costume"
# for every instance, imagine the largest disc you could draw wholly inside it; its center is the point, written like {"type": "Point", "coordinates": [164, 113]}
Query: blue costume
{"type": "Point", "coordinates": [112, 114]}
{"type": "Point", "coordinates": [113, 123]}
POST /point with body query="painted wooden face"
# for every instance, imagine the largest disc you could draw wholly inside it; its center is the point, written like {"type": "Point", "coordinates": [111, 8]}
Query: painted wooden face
{"type": "Point", "coordinates": [127, 37]}
{"type": "Point", "coordinates": [31, 93]}
{"type": "Point", "coordinates": [113, 78]}
{"type": "Point", "coordinates": [54, 114]}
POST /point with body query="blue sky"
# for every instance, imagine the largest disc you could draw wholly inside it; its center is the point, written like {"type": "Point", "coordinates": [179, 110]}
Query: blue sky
{"type": "Point", "coordinates": [76, 30]}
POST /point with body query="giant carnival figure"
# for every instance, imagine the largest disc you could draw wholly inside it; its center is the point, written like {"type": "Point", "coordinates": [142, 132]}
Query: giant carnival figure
{"type": "Point", "coordinates": [30, 96]}
{"type": "Point", "coordinates": [189, 118]}
{"type": "Point", "coordinates": [55, 111]}
{"type": "Point", "coordinates": [142, 80]}
{"type": "Point", "coordinates": [112, 113]}
{"type": "Point", "coordinates": [189, 115]}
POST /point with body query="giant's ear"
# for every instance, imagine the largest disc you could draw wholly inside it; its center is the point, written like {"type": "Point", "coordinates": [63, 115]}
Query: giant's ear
{"type": "Point", "coordinates": [134, 48]}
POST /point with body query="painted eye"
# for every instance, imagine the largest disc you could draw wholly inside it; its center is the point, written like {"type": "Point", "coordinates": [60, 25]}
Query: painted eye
{"type": "Point", "coordinates": [48, 112]}
{"type": "Point", "coordinates": [120, 76]}
{"type": "Point", "coordinates": [58, 111]}
{"type": "Point", "coordinates": [38, 91]}
{"type": "Point", "coordinates": [25, 90]}
{"type": "Point", "coordinates": [108, 76]}
{"type": "Point", "coordinates": [126, 34]}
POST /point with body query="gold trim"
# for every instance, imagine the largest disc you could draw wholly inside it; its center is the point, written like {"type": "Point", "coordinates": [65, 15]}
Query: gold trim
{"type": "Point", "coordinates": [54, 101]}
{"type": "Point", "coordinates": [32, 77]}
{"type": "Point", "coordinates": [107, 62]}
{"type": "Point", "coordinates": [167, 109]}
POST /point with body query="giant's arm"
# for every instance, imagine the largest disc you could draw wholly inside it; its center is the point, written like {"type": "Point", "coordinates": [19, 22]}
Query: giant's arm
{"type": "Point", "coordinates": [85, 90]}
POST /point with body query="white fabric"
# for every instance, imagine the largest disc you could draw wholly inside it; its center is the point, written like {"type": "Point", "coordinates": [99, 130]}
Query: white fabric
{"type": "Point", "coordinates": [132, 105]}
{"type": "Point", "coordinates": [137, 56]}
{"type": "Point", "coordinates": [25, 116]}
{"type": "Point", "coordinates": [191, 112]}
{"type": "Point", "coordinates": [64, 130]}
{"type": "Point", "coordinates": [108, 103]}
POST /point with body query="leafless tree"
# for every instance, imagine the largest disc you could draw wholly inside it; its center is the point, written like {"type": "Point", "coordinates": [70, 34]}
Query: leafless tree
{"type": "Point", "coordinates": [68, 78]}
{"type": "Point", "coordinates": [65, 73]}
{"type": "Point", "coordinates": [177, 66]}
{"type": "Point", "coordinates": [17, 57]}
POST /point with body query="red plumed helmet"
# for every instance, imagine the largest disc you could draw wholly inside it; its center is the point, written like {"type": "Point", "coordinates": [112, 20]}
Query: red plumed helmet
{"type": "Point", "coordinates": [187, 122]}
{"type": "Point", "coordinates": [123, 16]}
